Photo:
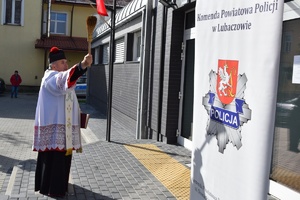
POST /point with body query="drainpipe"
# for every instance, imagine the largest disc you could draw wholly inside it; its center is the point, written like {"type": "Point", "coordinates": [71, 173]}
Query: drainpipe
{"type": "Point", "coordinates": [48, 18]}
{"type": "Point", "coordinates": [72, 16]}
{"type": "Point", "coordinates": [139, 103]}
{"type": "Point", "coordinates": [42, 18]}
{"type": "Point", "coordinates": [45, 59]}
{"type": "Point", "coordinates": [162, 69]}
{"type": "Point", "coordinates": [47, 29]}
{"type": "Point", "coordinates": [141, 130]}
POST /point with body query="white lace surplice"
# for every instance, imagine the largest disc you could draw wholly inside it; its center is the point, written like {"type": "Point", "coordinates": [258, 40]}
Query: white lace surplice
{"type": "Point", "coordinates": [50, 120]}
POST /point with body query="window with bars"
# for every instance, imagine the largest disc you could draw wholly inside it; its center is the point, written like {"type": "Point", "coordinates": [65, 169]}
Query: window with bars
{"type": "Point", "coordinates": [105, 53]}
{"type": "Point", "coordinates": [96, 55]}
{"type": "Point", "coordinates": [58, 23]}
{"type": "Point", "coordinates": [119, 50]}
{"type": "Point", "coordinates": [13, 12]}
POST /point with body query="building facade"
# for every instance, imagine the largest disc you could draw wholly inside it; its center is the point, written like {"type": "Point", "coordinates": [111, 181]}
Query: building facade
{"type": "Point", "coordinates": [147, 68]}
{"type": "Point", "coordinates": [29, 28]}
{"type": "Point", "coordinates": [19, 28]}
{"type": "Point", "coordinates": [153, 80]}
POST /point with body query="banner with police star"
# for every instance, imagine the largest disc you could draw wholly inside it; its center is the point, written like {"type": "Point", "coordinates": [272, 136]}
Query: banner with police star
{"type": "Point", "coordinates": [237, 51]}
{"type": "Point", "coordinates": [225, 104]}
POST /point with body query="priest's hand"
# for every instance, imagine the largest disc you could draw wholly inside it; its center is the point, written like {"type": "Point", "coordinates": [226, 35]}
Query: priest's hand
{"type": "Point", "coordinates": [87, 61]}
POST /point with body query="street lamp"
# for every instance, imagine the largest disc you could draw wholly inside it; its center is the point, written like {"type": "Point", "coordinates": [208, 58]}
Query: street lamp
{"type": "Point", "coordinates": [110, 70]}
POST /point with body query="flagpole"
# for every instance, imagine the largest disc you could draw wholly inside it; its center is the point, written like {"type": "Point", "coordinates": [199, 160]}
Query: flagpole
{"type": "Point", "coordinates": [111, 63]}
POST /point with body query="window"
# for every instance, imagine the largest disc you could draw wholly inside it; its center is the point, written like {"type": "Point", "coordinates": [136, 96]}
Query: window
{"type": "Point", "coordinates": [119, 54]}
{"type": "Point", "coordinates": [13, 12]}
{"type": "Point", "coordinates": [133, 52]}
{"type": "Point", "coordinates": [105, 53]}
{"type": "Point", "coordinates": [286, 149]}
{"type": "Point", "coordinates": [137, 46]}
{"type": "Point", "coordinates": [58, 24]}
{"type": "Point", "coordinates": [190, 20]}
{"type": "Point", "coordinates": [287, 42]}
{"type": "Point", "coordinates": [96, 58]}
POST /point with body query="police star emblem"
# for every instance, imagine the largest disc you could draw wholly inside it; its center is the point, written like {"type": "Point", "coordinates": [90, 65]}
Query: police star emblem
{"type": "Point", "coordinates": [225, 104]}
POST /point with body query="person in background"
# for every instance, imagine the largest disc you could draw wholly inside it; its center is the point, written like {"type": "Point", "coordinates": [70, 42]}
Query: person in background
{"type": "Point", "coordinates": [57, 123]}
{"type": "Point", "coordinates": [15, 81]}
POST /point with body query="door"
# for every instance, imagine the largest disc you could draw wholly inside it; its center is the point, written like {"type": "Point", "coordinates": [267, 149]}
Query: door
{"type": "Point", "coordinates": [188, 91]}
{"type": "Point", "coordinates": [186, 95]}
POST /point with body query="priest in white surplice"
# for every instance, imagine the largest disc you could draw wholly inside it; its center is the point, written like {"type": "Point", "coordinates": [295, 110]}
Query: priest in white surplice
{"type": "Point", "coordinates": [57, 123]}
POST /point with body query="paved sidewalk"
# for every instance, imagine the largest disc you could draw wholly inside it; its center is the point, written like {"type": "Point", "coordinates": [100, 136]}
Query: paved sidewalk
{"type": "Point", "coordinates": [105, 170]}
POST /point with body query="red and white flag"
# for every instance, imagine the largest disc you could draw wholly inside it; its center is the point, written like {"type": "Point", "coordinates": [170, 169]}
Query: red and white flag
{"type": "Point", "coordinates": [101, 9]}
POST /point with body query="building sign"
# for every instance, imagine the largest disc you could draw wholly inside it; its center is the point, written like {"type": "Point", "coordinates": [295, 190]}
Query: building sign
{"type": "Point", "coordinates": [236, 69]}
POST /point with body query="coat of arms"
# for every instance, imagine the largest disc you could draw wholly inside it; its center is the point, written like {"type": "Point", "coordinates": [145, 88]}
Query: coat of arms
{"type": "Point", "coordinates": [227, 79]}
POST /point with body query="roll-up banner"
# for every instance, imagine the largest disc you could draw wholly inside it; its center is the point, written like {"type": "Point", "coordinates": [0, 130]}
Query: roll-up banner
{"type": "Point", "coordinates": [237, 55]}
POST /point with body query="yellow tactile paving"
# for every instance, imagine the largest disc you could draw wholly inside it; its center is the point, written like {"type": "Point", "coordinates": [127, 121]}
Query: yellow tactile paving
{"type": "Point", "coordinates": [172, 174]}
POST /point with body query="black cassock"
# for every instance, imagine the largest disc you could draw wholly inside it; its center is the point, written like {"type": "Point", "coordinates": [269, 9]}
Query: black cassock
{"type": "Point", "coordinates": [52, 173]}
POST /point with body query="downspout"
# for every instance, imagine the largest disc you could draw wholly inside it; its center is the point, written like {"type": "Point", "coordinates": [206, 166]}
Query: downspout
{"type": "Point", "coordinates": [47, 30]}
{"type": "Point", "coordinates": [144, 73]}
{"type": "Point", "coordinates": [42, 18]}
{"type": "Point", "coordinates": [161, 71]}
{"type": "Point", "coordinates": [151, 70]}
{"type": "Point", "coordinates": [48, 18]}
{"type": "Point", "coordinates": [45, 59]}
{"type": "Point", "coordinates": [72, 16]}
{"type": "Point", "coordinates": [139, 103]}
{"type": "Point", "coordinates": [42, 25]}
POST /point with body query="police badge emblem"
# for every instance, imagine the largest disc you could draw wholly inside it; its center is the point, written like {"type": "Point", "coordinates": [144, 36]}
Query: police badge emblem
{"type": "Point", "coordinates": [225, 104]}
